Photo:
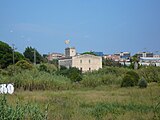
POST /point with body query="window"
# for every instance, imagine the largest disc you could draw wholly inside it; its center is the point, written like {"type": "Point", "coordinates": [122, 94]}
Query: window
{"type": "Point", "coordinates": [80, 61]}
{"type": "Point", "coordinates": [89, 61]}
{"type": "Point", "coordinates": [81, 69]}
{"type": "Point", "coordinates": [89, 69]}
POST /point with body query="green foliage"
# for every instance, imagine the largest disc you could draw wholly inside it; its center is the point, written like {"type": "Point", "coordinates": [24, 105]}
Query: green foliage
{"type": "Point", "coordinates": [18, 56]}
{"type": "Point", "coordinates": [91, 53]}
{"type": "Point", "coordinates": [102, 110]}
{"type": "Point", "coordinates": [74, 74]}
{"type": "Point", "coordinates": [150, 73]}
{"type": "Point", "coordinates": [6, 55]}
{"type": "Point", "coordinates": [55, 62]}
{"type": "Point", "coordinates": [130, 79]}
{"type": "Point", "coordinates": [105, 76]}
{"type": "Point", "coordinates": [23, 64]}
{"type": "Point", "coordinates": [13, 69]}
{"type": "Point", "coordinates": [6, 60]}
{"type": "Point", "coordinates": [29, 53]}
{"type": "Point", "coordinates": [35, 80]}
{"type": "Point", "coordinates": [19, 112]}
{"type": "Point", "coordinates": [142, 83]}
{"type": "Point", "coordinates": [127, 81]}
{"type": "Point", "coordinates": [50, 68]}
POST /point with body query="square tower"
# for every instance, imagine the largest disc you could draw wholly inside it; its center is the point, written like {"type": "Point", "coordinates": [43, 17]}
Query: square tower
{"type": "Point", "coordinates": [70, 52]}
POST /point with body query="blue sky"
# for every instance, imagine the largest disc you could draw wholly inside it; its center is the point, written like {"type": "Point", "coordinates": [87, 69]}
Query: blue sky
{"type": "Point", "coordinates": [99, 25]}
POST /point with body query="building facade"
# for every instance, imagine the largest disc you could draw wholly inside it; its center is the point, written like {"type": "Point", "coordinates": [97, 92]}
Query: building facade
{"type": "Point", "coordinates": [123, 55]}
{"type": "Point", "coordinates": [54, 56]}
{"type": "Point", "coordinates": [85, 62]}
{"type": "Point", "coordinates": [150, 61]}
{"type": "Point", "coordinates": [112, 57]}
{"type": "Point", "coordinates": [144, 54]}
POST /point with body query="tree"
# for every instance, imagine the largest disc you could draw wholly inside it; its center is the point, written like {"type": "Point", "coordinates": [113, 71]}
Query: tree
{"type": "Point", "coordinates": [6, 55]}
{"type": "Point", "coordinates": [91, 53]}
{"type": "Point", "coordinates": [29, 53]}
{"type": "Point", "coordinates": [134, 62]}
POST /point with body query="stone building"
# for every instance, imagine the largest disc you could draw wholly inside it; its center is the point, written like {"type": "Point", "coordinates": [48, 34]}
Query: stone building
{"type": "Point", "coordinates": [84, 62]}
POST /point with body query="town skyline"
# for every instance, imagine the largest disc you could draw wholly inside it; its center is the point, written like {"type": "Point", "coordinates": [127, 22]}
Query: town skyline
{"type": "Point", "coordinates": [103, 26]}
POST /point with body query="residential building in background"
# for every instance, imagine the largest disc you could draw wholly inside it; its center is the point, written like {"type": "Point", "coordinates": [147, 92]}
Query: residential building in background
{"type": "Point", "coordinates": [123, 55]}
{"type": "Point", "coordinates": [112, 57]}
{"type": "Point", "coordinates": [156, 56]}
{"type": "Point", "coordinates": [84, 62]}
{"type": "Point", "coordinates": [150, 61]}
{"type": "Point", "coordinates": [55, 56]}
{"type": "Point", "coordinates": [144, 54]}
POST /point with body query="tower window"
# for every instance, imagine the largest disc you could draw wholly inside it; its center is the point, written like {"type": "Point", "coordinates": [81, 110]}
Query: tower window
{"type": "Point", "coordinates": [80, 61]}
{"type": "Point", "coordinates": [89, 61]}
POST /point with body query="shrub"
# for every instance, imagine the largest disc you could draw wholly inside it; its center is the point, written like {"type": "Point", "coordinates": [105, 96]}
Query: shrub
{"type": "Point", "coordinates": [13, 69]}
{"type": "Point", "coordinates": [127, 81]}
{"type": "Point", "coordinates": [24, 64]}
{"type": "Point", "coordinates": [130, 79]}
{"type": "Point", "coordinates": [150, 73]}
{"type": "Point", "coordinates": [142, 83]}
{"type": "Point", "coordinates": [73, 73]}
{"type": "Point", "coordinates": [50, 68]}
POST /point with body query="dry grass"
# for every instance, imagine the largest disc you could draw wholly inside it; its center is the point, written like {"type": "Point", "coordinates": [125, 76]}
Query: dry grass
{"type": "Point", "coordinates": [105, 102]}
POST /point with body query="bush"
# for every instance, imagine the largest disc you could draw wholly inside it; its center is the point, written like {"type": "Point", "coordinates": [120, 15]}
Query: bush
{"type": "Point", "coordinates": [130, 79]}
{"type": "Point", "coordinates": [73, 73]}
{"type": "Point", "coordinates": [24, 64]}
{"type": "Point", "coordinates": [50, 68]}
{"type": "Point", "coordinates": [150, 73]}
{"type": "Point", "coordinates": [142, 83]}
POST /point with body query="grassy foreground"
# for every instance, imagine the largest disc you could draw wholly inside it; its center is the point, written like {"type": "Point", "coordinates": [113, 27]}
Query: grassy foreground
{"type": "Point", "coordinates": [100, 103]}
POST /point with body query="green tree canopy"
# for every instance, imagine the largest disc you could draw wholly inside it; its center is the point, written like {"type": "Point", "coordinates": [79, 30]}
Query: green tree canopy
{"type": "Point", "coordinates": [6, 55]}
{"type": "Point", "coordinates": [29, 53]}
{"type": "Point", "coordinates": [91, 53]}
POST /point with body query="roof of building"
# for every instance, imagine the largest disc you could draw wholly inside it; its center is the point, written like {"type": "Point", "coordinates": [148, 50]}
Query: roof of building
{"type": "Point", "coordinates": [149, 58]}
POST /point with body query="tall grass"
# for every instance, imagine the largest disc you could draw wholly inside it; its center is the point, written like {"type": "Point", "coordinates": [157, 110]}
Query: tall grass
{"type": "Point", "coordinates": [37, 80]}
{"type": "Point", "coordinates": [91, 104]}
{"type": "Point", "coordinates": [20, 111]}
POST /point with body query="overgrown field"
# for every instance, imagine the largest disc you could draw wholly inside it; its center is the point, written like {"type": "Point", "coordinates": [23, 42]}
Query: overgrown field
{"type": "Point", "coordinates": [46, 93]}
{"type": "Point", "coordinates": [99, 103]}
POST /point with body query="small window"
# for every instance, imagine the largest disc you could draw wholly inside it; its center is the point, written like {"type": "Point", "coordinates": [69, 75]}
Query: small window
{"type": "Point", "coordinates": [80, 61]}
{"type": "Point", "coordinates": [81, 69]}
{"type": "Point", "coordinates": [89, 61]}
{"type": "Point", "coordinates": [89, 69]}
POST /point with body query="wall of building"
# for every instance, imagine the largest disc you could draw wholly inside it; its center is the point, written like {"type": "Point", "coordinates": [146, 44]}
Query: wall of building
{"type": "Point", "coordinates": [65, 62]}
{"type": "Point", "coordinates": [87, 62]}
